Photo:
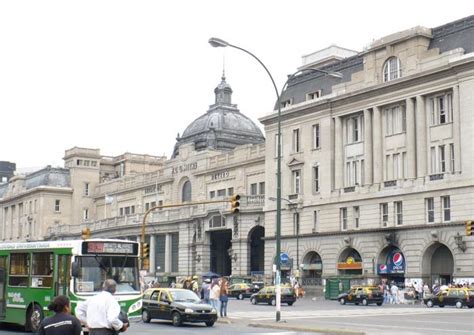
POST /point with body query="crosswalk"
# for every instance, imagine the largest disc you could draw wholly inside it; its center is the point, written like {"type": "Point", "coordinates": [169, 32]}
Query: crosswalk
{"type": "Point", "coordinates": [268, 315]}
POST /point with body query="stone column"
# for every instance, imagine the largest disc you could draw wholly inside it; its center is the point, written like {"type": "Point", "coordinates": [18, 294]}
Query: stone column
{"type": "Point", "coordinates": [456, 129]}
{"type": "Point", "coordinates": [377, 145]}
{"type": "Point", "coordinates": [410, 139]}
{"type": "Point", "coordinates": [421, 127]}
{"type": "Point", "coordinates": [368, 148]}
{"type": "Point", "coordinates": [152, 253]}
{"type": "Point", "coordinates": [338, 155]}
{"type": "Point", "coordinates": [168, 253]}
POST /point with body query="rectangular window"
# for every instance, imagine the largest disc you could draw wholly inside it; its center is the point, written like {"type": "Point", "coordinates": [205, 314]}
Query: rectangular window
{"type": "Point", "coordinates": [313, 95]}
{"type": "Point", "coordinates": [433, 160]}
{"type": "Point", "coordinates": [121, 211]}
{"type": "Point", "coordinates": [446, 202]}
{"type": "Point", "coordinates": [442, 159]}
{"type": "Point", "coordinates": [147, 206]}
{"type": "Point", "coordinates": [42, 269]}
{"type": "Point", "coordinates": [86, 189]}
{"type": "Point", "coordinates": [296, 223]}
{"type": "Point", "coordinates": [160, 203]}
{"type": "Point", "coordinates": [356, 214]}
{"type": "Point", "coordinates": [396, 166]}
{"type": "Point", "coordinates": [86, 214]}
{"type": "Point", "coordinates": [344, 218]}
{"type": "Point", "coordinates": [19, 269]}
{"type": "Point", "coordinates": [384, 214]}
{"type": "Point", "coordinates": [398, 212]}
{"type": "Point", "coordinates": [430, 212]}
{"type": "Point", "coordinates": [355, 130]}
{"type": "Point", "coordinates": [276, 146]}
{"type": "Point", "coordinates": [315, 221]}
{"type": "Point", "coordinates": [132, 209]}
{"type": "Point", "coordinates": [261, 187]}
{"type": "Point", "coordinates": [212, 194]}
{"type": "Point", "coordinates": [221, 193]}
{"type": "Point", "coordinates": [316, 136]}
{"type": "Point", "coordinates": [451, 158]}
{"type": "Point", "coordinates": [395, 120]}
{"type": "Point", "coordinates": [57, 204]}
{"type": "Point", "coordinates": [286, 103]}
{"type": "Point", "coordinates": [441, 109]}
{"type": "Point", "coordinates": [316, 178]}
{"type": "Point", "coordinates": [297, 182]}
{"type": "Point", "coordinates": [296, 140]}
{"type": "Point", "coordinates": [355, 172]}
{"type": "Point", "coordinates": [253, 189]}
{"type": "Point", "coordinates": [230, 191]}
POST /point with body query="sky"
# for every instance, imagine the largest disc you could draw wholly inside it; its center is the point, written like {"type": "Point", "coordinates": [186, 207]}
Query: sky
{"type": "Point", "coordinates": [128, 76]}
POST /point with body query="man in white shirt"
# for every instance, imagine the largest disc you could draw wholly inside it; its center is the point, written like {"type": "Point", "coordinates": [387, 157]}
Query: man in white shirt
{"type": "Point", "coordinates": [101, 312]}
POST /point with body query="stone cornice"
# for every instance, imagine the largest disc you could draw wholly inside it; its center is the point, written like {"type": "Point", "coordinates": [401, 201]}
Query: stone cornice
{"type": "Point", "coordinates": [44, 189]}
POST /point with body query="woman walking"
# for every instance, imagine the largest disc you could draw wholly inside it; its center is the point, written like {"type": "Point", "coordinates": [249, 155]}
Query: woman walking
{"type": "Point", "coordinates": [214, 294]}
{"type": "Point", "coordinates": [224, 296]}
{"type": "Point", "coordinates": [62, 323]}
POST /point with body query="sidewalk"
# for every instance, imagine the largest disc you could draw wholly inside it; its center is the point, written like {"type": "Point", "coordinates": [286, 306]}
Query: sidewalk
{"type": "Point", "coordinates": [296, 326]}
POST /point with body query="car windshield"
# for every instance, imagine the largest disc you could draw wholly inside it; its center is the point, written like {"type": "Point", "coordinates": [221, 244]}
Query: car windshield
{"type": "Point", "coordinates": [185, 295]}
{"type": "Point", "coordinates": [287, 291]}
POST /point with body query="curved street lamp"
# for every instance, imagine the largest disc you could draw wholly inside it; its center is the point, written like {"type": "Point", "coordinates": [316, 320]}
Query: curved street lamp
{"type": "Point", "coordinates": [217, 42]}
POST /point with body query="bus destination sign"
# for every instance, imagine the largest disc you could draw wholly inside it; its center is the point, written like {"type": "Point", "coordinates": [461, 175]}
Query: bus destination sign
{"type": "Point", "coordinates": [108, 248]}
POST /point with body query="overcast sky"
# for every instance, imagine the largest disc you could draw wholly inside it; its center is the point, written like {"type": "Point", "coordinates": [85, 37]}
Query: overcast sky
{"type": "Point", "coordinates": [128, 76]}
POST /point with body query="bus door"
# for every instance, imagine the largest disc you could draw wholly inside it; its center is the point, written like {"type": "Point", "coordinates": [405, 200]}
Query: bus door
{"type": "Point", "coordinates": [3, 285]}
{"type": "Point", "coordinates": [63, 270]}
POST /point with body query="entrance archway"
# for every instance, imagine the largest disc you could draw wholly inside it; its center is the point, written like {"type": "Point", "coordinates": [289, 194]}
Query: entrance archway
{"type": "Point", "coordinates": [312, 269]}
{"type": "Point", "coordinates": [391, 265]}
{"type": "Point", "coordinates": [220, 258]}
{"type": "Point", "coordinates": [257, 249]}
{"type": "Point", "coordinates": [438, 264]}
{"type": "Point", "coordinates": [350, 262]}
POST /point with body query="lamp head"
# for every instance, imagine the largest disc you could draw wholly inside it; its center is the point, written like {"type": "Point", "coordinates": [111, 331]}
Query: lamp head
{"type": "Point", "coordinates": [217, 42]}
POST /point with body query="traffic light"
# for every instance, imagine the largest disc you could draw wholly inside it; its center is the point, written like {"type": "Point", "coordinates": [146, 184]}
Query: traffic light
{"type": "Point", "coordinates": [85, 233]}
{"type": "Point", "coordinates": [468, 228]}
{"type": "Point", "coordinates": [234, 204]}
{"type": "Point", "coordinates": [145, 250]}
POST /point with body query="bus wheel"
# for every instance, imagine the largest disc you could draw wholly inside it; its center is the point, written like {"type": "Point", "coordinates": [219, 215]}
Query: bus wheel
{"type": "Point", "coordinates": [34, 317]}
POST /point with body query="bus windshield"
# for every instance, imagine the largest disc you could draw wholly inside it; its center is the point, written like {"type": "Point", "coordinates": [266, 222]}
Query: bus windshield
{"type": "Point", "coordinates": [95, 269]}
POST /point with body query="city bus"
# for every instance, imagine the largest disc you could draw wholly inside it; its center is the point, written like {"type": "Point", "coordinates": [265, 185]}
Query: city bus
{"type": "Point", "coordinates": [32, 273]}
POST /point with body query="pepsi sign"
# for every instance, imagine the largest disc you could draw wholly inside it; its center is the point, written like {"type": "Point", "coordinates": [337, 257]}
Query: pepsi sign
{"type": "Point", "coordinates": [394, 264]}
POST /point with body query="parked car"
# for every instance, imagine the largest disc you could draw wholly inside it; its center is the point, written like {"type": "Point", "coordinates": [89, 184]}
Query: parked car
{"type": "Point", "coordinates": [241, 290]}
{"type": "Point", "coordinates": [458, 297]}
{"type": "Point", "coordinates": [364, 295]}
{"type": "Point", "coordinates": [267, 295]}
{"type": "Point", "coordinates": [177, 305]}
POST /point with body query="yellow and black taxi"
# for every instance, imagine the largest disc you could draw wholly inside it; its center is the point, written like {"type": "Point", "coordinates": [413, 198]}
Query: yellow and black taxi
{"type": "Point", "coordinates": [364, 295]}
{"type": "Point", "coordinates": [177, 305]}
{"type": "Point", "coordinates": [267, 295]}
{"type": "Point", "coordinates": [242, 290]}
{"type": "Point", "coordinates": [458, 297]}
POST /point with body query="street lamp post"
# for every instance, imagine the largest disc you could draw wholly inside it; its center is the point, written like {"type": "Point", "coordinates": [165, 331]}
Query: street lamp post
{"type": "Point", "coordinates": [217, 42]}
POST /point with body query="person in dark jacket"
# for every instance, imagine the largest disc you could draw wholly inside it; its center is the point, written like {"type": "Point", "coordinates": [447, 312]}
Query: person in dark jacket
{"type": "Point", "coordinates": [62, 323]}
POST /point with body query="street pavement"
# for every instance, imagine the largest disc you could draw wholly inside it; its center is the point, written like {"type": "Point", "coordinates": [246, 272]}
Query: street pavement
{"type": "Point", "coordinates": [319, 316]}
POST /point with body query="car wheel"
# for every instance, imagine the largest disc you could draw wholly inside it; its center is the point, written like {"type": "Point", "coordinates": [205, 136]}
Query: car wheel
{"type": "Point", "coordinates": [365, 302]}
{"type": "Point", "coordinates": [458, 304]}
{"type": "Point", "coordinates": [273, 302]}
{"type": "Point", "coordinates": [429, 303]}
{"type": "Point", "coordinates": [342, 301]}
{"type": "Point", "coordinates": [441, 306]}
{"type": "Point", "coordinates": [253, 301]}
{"type": "Point", "coordinates": [290, 304]}
{"type": "Point", "coordinates": [379, 304]}
{"type": "Point", "coordinates": [240, 297]}
{"type": "Point", "coordinates": [176, 318]}
{"type": "Point", "coordinates": [210, 323]}
{"type": "Point", "coordinates": [35, 315]}
{"type": "Point", "coordinates": [145, 316]}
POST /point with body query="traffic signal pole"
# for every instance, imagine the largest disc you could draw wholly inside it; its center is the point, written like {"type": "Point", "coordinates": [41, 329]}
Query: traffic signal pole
{"type": "Point", "coordinates": [233, 200]}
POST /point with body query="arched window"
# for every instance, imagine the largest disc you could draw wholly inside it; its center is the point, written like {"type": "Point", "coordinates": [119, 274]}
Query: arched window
{"type": "Point", "coordinates": [392, 69]}
{"type": "Point", "coordinates": [186, 194]}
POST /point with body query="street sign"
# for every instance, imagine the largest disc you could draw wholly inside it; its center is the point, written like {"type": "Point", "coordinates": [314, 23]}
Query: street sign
{"type": "Point", "coordinates": [284, 258]}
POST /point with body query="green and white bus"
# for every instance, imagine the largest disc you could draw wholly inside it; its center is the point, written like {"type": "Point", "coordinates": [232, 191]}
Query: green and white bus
{"type": "Point", "coordinates": [32, 273]}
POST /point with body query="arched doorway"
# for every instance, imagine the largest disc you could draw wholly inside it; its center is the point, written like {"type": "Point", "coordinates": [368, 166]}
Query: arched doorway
{"type": "Point", "coordinates": [257, 249]}
{"type": "Point", "coordinates": [391, 265]}
{"type": "Point", "coordinates": [312, 269]}
{"type": "Point", "coordinates": [438, 264]}
{"type": "Point", "coordinates": [350, 262]}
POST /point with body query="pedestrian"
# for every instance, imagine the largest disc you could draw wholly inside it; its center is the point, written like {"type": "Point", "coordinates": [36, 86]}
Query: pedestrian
{"type": "Point", "coordinates": [394, 294]}
{"type": "Point", "coordinates": [101, 312]}
{"type": "Point", "coordinates": [223, 296]}
{"type": "Point", "coordinates": [62, 323]}
{"type": "Point", "coordinates": [205, 291]}
{"type": "Point", "coordinates": [214, 294]}
{"type": "Point", "coordinates": [194, 286]}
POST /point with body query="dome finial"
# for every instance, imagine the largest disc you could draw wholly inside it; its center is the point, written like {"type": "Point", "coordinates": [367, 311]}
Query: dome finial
{"type": "Point", "coordinates": [223, 68]}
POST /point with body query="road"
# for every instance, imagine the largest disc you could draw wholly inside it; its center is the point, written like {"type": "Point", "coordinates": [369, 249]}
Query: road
{"type": "Point", "coordinates": [319, 313]}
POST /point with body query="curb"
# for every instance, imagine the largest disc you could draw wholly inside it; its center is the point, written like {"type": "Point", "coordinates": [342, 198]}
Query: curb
{"type": "Point", "coordinates": [306, 329]}
{"type": "Point", "coordinates": [223, 321]}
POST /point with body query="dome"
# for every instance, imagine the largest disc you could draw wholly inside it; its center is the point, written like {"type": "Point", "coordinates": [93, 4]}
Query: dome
{"type": "Point", "coordinates": [222, 127]}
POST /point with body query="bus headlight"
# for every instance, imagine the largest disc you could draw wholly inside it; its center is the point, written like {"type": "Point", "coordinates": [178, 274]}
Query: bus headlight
{"type": "Point", "coordinates": [135, 307]}
{"type": "Point", "coordinates": [188, 311]}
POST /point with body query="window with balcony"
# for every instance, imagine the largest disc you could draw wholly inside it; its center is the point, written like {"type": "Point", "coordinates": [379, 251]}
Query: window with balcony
{"type": "Point", "coordinates": [253, 189]}
{"type": "Point", "coordinates": [261, 187]}
{"type": "Point", "coordinates": [392, 69]}
{"type": "Point", "coordinates": [441, 109]}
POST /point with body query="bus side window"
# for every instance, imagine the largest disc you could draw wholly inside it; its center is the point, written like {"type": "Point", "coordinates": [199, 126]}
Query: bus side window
{"type": "Point", "coordinates": [19, 269]}
{"type": "Point", "coordinates": [42, 269]}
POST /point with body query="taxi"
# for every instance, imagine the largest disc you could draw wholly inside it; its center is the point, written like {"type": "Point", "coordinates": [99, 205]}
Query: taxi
{"type": "Point", "coordinates": [364, 295]}
{"type": "Point", "coordinates": [267, 295]}
{"type": "Point", "coordinates": [177, 305]}
{"type": "Point", "coordinates": [242, 290]}
{"type": "Point", "coordinates": [458, 297]}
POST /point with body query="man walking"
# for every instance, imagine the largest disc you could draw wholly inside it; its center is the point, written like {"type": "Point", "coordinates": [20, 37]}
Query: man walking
{"type": "Point", "coordinates": [101, 312]}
